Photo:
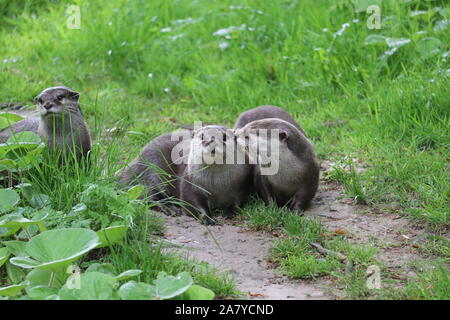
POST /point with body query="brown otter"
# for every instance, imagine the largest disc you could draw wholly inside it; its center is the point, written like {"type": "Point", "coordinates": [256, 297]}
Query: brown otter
{"type": "Point", "coordinates": [213, 179]}
{"type": "Point", "coordinates": [296, 176]}
{"type": "Point", "coordinates": [155, 169]}
{"type": "Point", "coordinates": [264, 112]}
{"type": "Point", "coordinates": [60, 124]}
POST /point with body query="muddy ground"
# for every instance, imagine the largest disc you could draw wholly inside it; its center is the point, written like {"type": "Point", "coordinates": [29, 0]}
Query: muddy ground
{"type": "Point", "coordinates": [244, 253]}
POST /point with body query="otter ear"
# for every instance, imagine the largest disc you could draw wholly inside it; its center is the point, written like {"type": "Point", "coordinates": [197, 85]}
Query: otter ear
{"type": "Point", "coordinates": [283, 135]}
{"type": "Point", "coordinates": [74, 95]}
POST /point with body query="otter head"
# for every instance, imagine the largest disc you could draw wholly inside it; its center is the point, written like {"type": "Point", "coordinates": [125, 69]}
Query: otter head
{"type": "Point", "coordinates": [263, 140]}
{"type": "Point", "coordinates": [57, 101]}
{"type": "Point", "coordinates": [211, 141]}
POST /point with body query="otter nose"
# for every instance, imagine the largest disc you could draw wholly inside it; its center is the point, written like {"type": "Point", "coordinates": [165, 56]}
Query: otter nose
{"type": "Point", "coordinates": [48, 105]}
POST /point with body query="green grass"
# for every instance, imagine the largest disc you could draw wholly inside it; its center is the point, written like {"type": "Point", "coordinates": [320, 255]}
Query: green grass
{"type": "Point", "coordinates": [431, 284]}
{"type": "Point", "coordinates": [146, 82]}
{"type": "Point", "coordinates": [293, 252]}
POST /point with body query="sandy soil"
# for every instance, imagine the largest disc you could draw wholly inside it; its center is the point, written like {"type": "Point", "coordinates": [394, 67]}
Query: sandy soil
{"type": "Point", "coordinates": [244, 252]}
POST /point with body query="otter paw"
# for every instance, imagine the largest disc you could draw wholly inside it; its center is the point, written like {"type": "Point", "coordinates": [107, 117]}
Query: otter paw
{"type": "Point", "coordinates": [208, 221]}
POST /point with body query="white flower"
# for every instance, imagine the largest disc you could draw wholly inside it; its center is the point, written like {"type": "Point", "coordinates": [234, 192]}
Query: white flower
{"type": "Point", "coordinates": [341, 31]}
{"type": "Point", "coordinates": [225, 31]}
{"type": "Point", "coordinates": [223, 45]}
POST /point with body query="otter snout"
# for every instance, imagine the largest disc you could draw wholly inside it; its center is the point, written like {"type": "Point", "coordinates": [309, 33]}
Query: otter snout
{"type": "Point", "coordinates": [48, 105]}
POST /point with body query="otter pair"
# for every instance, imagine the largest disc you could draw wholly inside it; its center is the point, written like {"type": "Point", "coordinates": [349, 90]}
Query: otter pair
{"type": "Point", "coordinates": [181, 165]}
{"type": "Point", "coordinates": [204, 184]}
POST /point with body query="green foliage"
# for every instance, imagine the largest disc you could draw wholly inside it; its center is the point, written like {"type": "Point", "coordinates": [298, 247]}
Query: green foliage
{"type": "Point", "coordinates": [7, 119]}
{"type": "Point", "coordinates": [165, 287]}
{"type": "Point", "coordinates": [160, 66]}
{"type": "Point", "coordinates": [92, 286]}
{"type": "Point", "coordinates": [9, 199]}
{"type": "Point", "coordinates": [345, 172]}
{"type": "Point", "coordinates": [431, 284]}
{"type": "Point", "coordinates": [21, 152]}
{"type": "Point", "coordinates": [56, 249]}
{"type": "Point", "coordinates": [111, 235]}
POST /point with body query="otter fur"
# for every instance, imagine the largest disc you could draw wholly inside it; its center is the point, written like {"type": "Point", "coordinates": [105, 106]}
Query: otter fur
{"type": "Point", "coordinates": [264, 112]}
{"type": "Point", "coordinates": [155, 169]}
{"type": "Point", "coordinates": [213, 179]}
{"type": "Point", "coordinates": [61, 123]}
{"type": "Point", "coordinates": [296, 179]}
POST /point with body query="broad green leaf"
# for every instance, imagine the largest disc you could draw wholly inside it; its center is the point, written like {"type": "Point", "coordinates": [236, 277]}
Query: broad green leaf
{"type": "Point", "coordinates": [196, 292]}
{"type": "Point", "coordinates": [92, 286]}
{"type": "Point", "coordinates": [40, 292]}
{"type": "Point", "coordinates": [42, 277]}
{"type": "Point", "coordinates": [17, 220]}
{"type": "Point", "coordinates": [7, 119]}
{"type": "Point", "coordinates": [12, 220]}
{"type": "Point", "coordinates": [106, 268]}
{"type": "Point", "coordinates": [133, 290]}
{"type": "Point", "coordinates": [6, 232]}
{"type": "Point", "coordinates": [167, 286]}
{"type": "Point", "coordinates": [7, 164]}
{"type": "Point", "coordinates": [26, 189]}
{"type": "Point", "coordinates": [135, 192]}
{"type": "Point", "coordinates": [8, 199]}
{"type": "Point", "coordinates": [25, 137]}
{"type": "Point", "coordinates": [4, 255]}
{"type": "Point", "coordinates": [15, 274]}
{"type": "Point", "coordinates": [111, 235]}
{"type": "Point", "coordinates": [12, 290]}
{"type": "Point", "coordinates": [25, 262]}
{"type": "Point", "coordinates": [39, 200]}
{"type": "Point", "coordinates": [55, 249]}
{"type": "Point", "coordinates": [15, 247]}
{"type": "Point", "coordinates": [28, 232]}
{"type": "Point", "coordinates": [77, 209]}
{"type": "Point", "coordinates": [128, 274]}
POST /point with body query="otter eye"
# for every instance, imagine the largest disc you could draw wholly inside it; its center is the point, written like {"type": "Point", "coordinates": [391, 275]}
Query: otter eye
{"type": "Point", "coordinates": [40, 101]}
{"type": "Point", "coordinates": [60, 97]}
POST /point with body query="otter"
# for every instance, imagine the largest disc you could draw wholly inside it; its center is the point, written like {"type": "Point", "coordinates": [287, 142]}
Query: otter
{"type": "Point", "coordinates": [296, 179]}
{"type": "Point", "coordinates": [213, 179]}
{"type": "Point", "coordinates": [154, 169]}
{"type": "Point", "coordinates": [61, 123]}
{"type": "Point", "coordinates": [264, 112]}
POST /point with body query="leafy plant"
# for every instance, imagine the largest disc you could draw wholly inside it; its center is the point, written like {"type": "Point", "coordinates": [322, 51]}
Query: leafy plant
{"type": "Point", "coordinates": [56, 249]}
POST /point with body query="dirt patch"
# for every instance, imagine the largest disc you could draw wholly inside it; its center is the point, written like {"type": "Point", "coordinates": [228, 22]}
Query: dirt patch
{"type": "Point", "coordinates": [244, 252]}
{"type": "Point", "coordinates": [393, 235]}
